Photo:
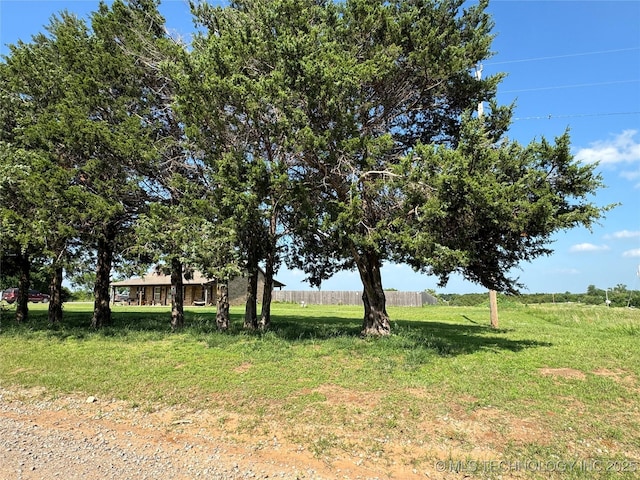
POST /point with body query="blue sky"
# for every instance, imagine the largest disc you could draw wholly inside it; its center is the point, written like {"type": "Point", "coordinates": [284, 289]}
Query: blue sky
{"type": "Point", "coordinates": [569, 64]}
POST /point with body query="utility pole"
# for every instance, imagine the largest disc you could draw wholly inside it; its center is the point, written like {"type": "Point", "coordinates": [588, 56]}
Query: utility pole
{"type": "Point", "coordinates": [479, 77]}
{"type": "Point", "coordinates": [493, 297]}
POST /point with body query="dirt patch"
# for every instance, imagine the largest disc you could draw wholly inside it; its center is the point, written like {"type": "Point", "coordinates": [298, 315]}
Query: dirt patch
{"type": "Point", "coordinates": [336, 395]}
{"type": "Point", "coordinates": [563, 373]}
{"type": "Point", "coordinates": [489, 430]}
{"type": "Point", "coordinates": [619, 376]}
{"type": "Point", "coordinates": [170, 429]}
{"type": "Point", "coordinates": [242, 368]}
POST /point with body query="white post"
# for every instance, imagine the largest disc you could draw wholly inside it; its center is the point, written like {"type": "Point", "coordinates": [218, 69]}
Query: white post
{"type": "Point", "coordinates": [479, 77]}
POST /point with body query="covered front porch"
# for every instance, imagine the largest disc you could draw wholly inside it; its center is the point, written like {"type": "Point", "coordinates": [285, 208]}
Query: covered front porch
{"type": "Point", "coordinates": [156, 289]}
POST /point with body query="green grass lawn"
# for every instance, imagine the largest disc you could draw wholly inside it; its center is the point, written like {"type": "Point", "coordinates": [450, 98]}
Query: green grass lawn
{"type": "Point", "coordinates": [556, 384]}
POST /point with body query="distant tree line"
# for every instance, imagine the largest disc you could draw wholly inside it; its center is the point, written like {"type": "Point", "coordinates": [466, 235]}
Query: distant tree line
{"type": "Point", "coordinates": [618, 296]}
{"type": "Point", "coordinates": [322, 135]}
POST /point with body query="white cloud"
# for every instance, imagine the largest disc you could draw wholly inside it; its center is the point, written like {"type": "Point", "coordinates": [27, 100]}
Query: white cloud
{"type": "Point", "coordinates": [588, 247]}
{"type": "Point", "coordinates": [623, 234]}
{"type": "Point", "coordinates": [632, 253]}
{"type": "Point", "coordinates": [630, 175]}
{"type": "Point", "coordinates": [623, 148]}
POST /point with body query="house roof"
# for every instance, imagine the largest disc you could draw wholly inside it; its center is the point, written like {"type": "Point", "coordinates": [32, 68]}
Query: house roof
{"type": "Point", "coordinates": [155, 279]}
{"type": "Point", "coordinates": [158, 279]}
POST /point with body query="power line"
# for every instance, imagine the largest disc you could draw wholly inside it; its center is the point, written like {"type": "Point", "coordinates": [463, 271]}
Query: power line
{"type": "Point", "coordinates": [579, 85]}
{"type": "Point", "coordinates": [574, 115]}
{"type": "Point", "coordinates": [536, 59]}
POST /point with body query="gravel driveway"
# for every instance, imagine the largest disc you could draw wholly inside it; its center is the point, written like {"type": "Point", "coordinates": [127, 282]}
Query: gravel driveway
{"type": "Point", "coordinates": [73, 438]}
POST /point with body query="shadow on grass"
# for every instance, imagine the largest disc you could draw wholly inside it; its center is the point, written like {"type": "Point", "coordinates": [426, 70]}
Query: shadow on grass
{"type": "Point", "coordinates": [441, 338]}
{"type": "Point", "coordinates": [459, 339]}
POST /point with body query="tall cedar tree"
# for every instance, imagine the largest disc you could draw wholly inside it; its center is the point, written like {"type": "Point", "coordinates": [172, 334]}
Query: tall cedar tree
{"type": "Point", "coordinates": [242, 114]}
{"type": "Point", "coordinates": [40, 204]}
{"type": "Point", "coordinates": [173, 176]}
{"type": "Point", "coordinates": [88, 123]}
{"type": "Point", "coordinates": [377, 79]}
{"type": "Point", "coordinates": [16, 228]}
{"type": "Point", "coordinates": [422, 181]}
{"type": "Point", "coordinates": [182, 229]}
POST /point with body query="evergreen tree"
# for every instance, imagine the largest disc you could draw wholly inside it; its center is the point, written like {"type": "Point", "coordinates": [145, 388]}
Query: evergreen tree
{"type": "Point", "coordinates": [385, 77]}
{"type": "Point", "coordinates": [84, 107]}
{"type": "Point", "coordinates": [172, 174]}
{"type": "Point", "coordinates": [482, 208]}
{"type": "Point", "coordinates": [240, 110]}
{"type": "Point", "coordinates": [39, 203]}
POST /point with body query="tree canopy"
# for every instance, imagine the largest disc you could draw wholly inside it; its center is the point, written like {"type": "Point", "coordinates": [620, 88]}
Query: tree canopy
{"type": "Point", "coordinates": [328, 135]}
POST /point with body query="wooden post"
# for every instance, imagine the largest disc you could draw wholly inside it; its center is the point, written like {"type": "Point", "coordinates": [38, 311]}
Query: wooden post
{"type": "Point", "coordinates": [493, 307]}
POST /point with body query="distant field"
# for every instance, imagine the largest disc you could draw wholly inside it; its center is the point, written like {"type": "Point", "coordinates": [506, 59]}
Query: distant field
{"type": "Point", "coordinates": [557, 385]}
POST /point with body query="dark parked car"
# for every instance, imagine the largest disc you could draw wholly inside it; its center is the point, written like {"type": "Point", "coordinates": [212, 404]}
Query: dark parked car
{"type": "Point", "coordinates": [10, 295]}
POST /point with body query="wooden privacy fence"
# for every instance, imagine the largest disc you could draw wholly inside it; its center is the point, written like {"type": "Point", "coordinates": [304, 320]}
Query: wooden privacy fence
{"type": "Point", "coordinates": [314, 297]}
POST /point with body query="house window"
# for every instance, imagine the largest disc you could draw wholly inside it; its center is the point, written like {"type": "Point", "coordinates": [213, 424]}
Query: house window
{"type": "Point", "coordinates": [157, 295]}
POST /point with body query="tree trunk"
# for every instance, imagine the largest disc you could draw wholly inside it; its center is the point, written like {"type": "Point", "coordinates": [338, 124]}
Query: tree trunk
{"type": "Point", "coordinates": [102, 307]}
{"type": "Point", "coordinates": [222, 307]}
{"type": "Point", "coordinates": [251, 308]}
{"type": "Point", "coordinates": [267, 294]}
{"type": "Point", "coordinates": [55, 296]}
{"type": "Point", "coordinates": [376, 320]}
{"type": "Point", "coordinates": [24, 283]}
{"type": "Point", "coordinates": [177, 299]}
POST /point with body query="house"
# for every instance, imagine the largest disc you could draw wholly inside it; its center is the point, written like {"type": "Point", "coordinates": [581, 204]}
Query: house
{"type": "Point", "coordinates": [155, 289]}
